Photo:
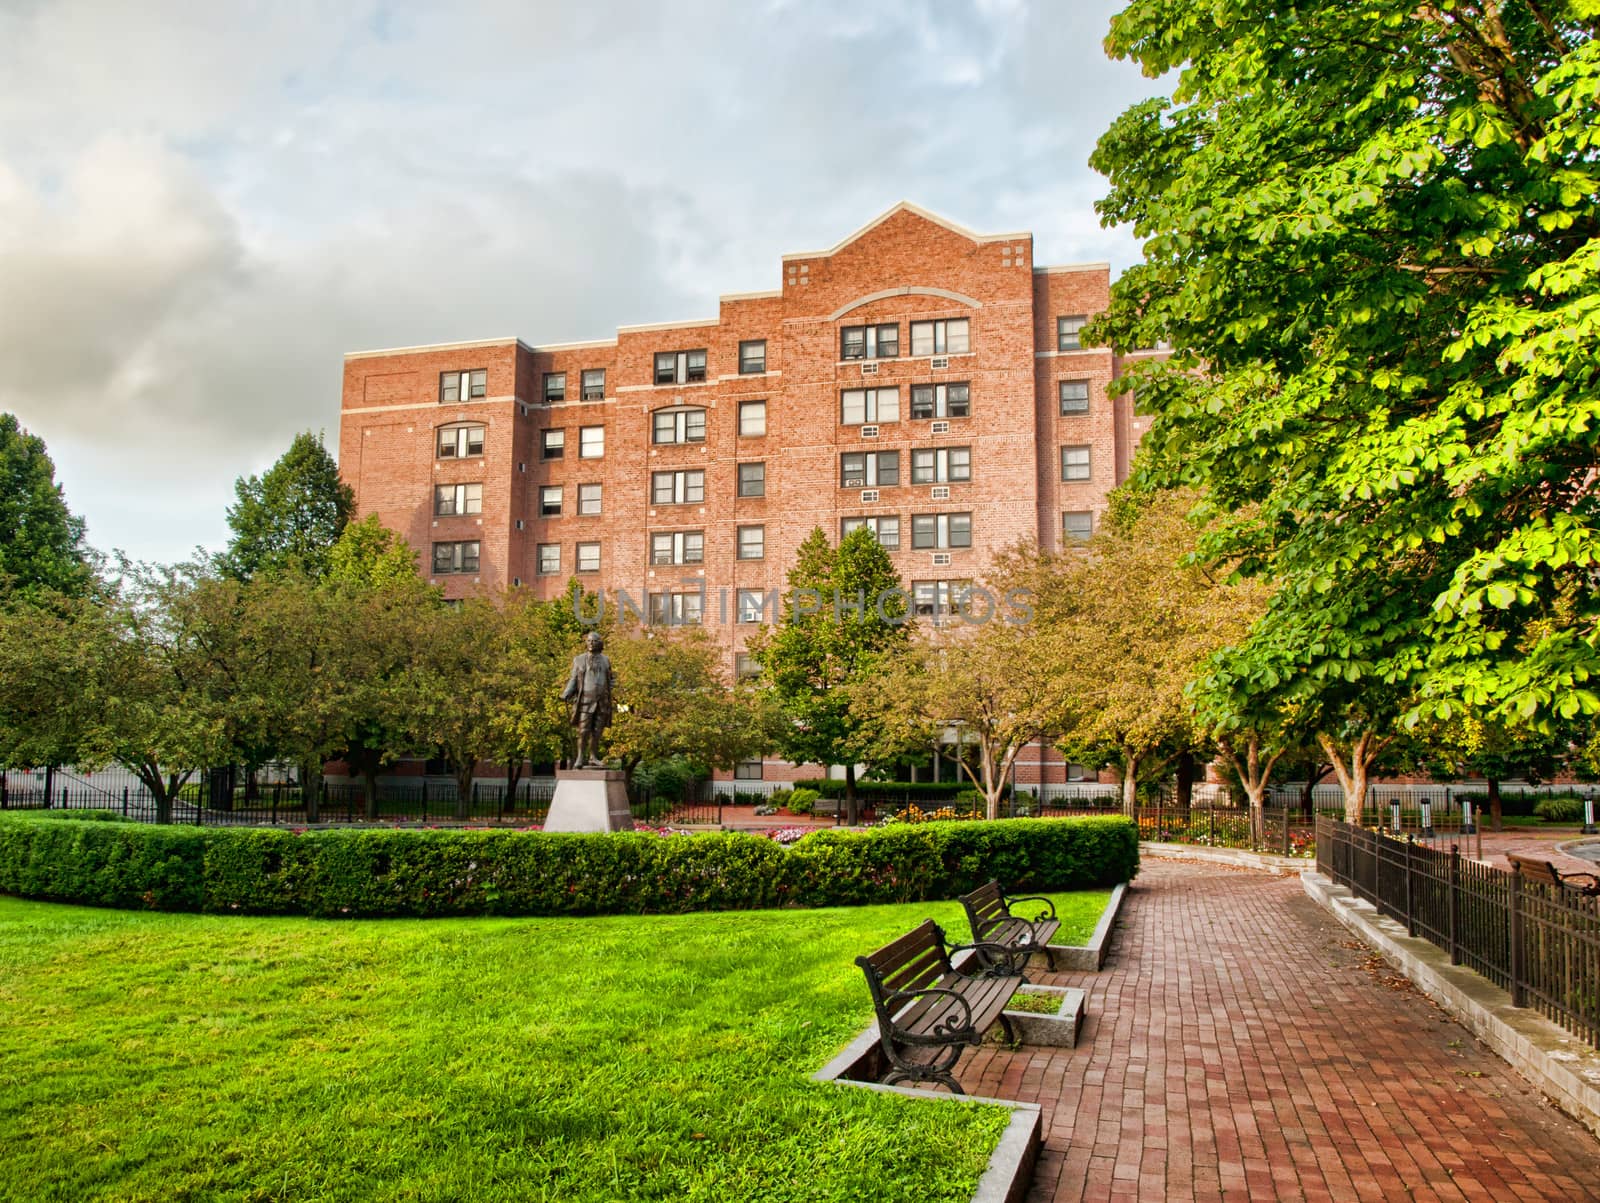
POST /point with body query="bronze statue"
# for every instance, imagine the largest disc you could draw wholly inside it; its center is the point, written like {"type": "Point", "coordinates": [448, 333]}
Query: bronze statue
{"type": "Point", "coordinates": [588, 691]}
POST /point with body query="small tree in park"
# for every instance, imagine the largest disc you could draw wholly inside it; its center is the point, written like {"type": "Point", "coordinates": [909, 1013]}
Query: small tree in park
{"type": "Point", "coordinates": [290, 516]}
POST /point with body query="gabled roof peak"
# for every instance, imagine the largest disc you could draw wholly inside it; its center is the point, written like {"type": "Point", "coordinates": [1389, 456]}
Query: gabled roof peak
{"type": "Point", "coordinates": [906, 206]}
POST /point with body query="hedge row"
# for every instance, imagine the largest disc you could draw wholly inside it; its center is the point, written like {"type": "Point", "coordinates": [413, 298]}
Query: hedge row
{"type": "Point", "coordinates": [428, 872]}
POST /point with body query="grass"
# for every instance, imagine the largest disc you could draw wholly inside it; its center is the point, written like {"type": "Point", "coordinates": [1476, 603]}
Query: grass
{"type": "Point", "coordinates": [1035, 1004]}
{"type": "Point", "coordinates": [181, 1057]}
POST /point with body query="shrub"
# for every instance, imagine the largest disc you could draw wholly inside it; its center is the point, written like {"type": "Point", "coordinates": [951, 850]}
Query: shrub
{"type": "Point", "coordinates": [1559, 809]}
{"type": "Point", "coordinates": [386, 872]}
{"type": "Point", "coordinates": [970, 799]}
{"type": "Point", "coordinates": [668, 779]}
{"type": "Point", "coordinates": [778, 799]}
{"type": "Point", "coordinates": [802, 801]}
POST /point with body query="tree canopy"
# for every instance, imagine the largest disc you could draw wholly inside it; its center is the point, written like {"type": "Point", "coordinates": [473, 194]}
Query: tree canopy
{"type": "Point", "coordinates": [1372, 240]}
{"type": "Point", "coordinates": [41, 541]}
{"type": "Point", "coordinates": [290, 516]}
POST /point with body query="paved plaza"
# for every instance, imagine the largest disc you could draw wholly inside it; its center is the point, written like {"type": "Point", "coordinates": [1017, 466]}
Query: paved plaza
{"type": "Point", "coordinates": [1240, 1044]}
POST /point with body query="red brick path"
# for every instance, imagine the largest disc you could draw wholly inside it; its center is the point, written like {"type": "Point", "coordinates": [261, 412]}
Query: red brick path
{"type": "Point", "coordinates": [1241, 1045]}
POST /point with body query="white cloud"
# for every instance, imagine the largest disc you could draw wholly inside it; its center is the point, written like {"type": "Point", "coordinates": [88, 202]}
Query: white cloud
{"type": "Point", "coordinates": [202, 207]}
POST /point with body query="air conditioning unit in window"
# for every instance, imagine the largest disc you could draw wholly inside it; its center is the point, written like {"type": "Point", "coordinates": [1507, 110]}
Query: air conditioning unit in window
{"type": "Point", "coordinates": [854, 482]}
{"type": "Point", "coordinates": [869, 494]}
{"type": "Point", "coordinates": [941, 492]}
{"type": "Point", "coordinates": [939, 361]}
{"type": "Point", "coordinates": [941, 559]}
{"type": "Point", "coordinates": [869, 432]}
{"type": "Point", "coordinates": [941, 428]}
{"type": "Point", "coordinates": [869, 369]}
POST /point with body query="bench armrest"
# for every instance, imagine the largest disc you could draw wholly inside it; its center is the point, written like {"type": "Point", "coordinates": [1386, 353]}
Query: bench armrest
{"type": "Point", "coordinates": [942, 1033]}
{"type": "Point", "coordinates": [1573, 879]}
{"type": "Point", "coordinates": [997, 960]}
{"type": "Point", "coordinates": [1048, 914]}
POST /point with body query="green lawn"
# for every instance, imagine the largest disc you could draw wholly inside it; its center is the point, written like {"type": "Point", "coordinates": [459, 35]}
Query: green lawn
{"type": "Point", "coordinates": [179, 1057]}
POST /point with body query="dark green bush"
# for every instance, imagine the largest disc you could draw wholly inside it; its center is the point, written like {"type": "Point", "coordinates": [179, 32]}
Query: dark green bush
{"type": "Point", "coordinates": [830, 787]}
{"type": "Point", "coordinates": [1567, 809]}
{"type": "Point", "coordinates": [802, 801]}
{"type": "Point", "coordinates": [425, 873]}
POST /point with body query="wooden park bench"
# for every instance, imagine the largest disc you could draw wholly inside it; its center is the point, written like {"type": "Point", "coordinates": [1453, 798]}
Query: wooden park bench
{"type": "Point", "coordinates": [1545, 873]}
{"type": "Point", "coordinates": [928, 1009]}
{"type": "Point", "coordinates": [989, 913]}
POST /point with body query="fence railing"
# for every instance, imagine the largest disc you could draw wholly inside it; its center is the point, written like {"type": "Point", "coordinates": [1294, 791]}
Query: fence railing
{"type": "Point", "coordinates": [1540, 943]}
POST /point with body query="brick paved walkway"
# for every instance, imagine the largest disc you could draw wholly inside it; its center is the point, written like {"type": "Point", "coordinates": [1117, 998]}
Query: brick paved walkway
{"type": "Point", "coordinates": [1241, 1045]}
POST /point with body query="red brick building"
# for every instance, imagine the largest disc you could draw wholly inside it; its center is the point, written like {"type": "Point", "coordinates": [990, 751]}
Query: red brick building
{"type": "Point", "coordinates": [917, 377]}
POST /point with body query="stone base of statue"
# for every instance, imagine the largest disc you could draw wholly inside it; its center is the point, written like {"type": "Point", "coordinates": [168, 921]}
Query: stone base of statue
{"type": "Point", "coordinates": [590, 800]}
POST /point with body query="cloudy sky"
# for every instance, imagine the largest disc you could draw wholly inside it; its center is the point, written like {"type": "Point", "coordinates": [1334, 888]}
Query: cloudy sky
{"type": "Point", "coordinates": [203, 204]}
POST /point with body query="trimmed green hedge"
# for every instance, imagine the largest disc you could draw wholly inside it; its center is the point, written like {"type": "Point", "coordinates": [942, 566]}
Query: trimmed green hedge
{"type": "Point", "coordinates": [423, 873]}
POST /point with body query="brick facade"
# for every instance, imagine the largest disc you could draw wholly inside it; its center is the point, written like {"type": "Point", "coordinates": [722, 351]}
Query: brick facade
{"type": "Point", "coordinates": [906, 266]}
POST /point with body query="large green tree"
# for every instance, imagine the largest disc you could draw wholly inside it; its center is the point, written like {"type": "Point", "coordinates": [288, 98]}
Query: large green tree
{"type": "Point", "coordinates": [845, 616]}
{"type": "Point", "coordinates": [1372, 239]}
{"type": "Point", "coordinates": [289, 517]}
{"type": "Point", "coordinates": [41, 541]}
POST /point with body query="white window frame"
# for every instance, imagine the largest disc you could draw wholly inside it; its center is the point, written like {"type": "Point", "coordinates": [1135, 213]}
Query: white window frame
{"type": "Point", "coordinates": [872, 475]}
{"type": "Point", "coordinates": [879, 524]}
{"type": "Point", "coordinates": [548, 559]}
{"type": "Point", "coordinates": [553, 444]}
{"type": "Point", "coordinates": [587, 557]}
{"type": "Point", "coordinates": [470, 385]}
{"type": "Point", "coordinates": [868, 406]}
{"type": "Point", "coordinates": [936, 401]}
{"type": "Point", "coordinates": [752, 413]}
{"type": "Point", "coordinates": [760, 481]}
{"type": "Point", "coordinates": [750, 606]}
{"type": "Point", "coordinates": [545, 491]}
{"type": "Point", "coordinates": [929, 598]}
{"type": "Point", "coordinates": [1070, 536]}
{"type": "Point", "coordinates": [681, 425]}
{"type": "Point", "coordinates": [685, 486]}
{"type": "Point", "coordinates": [1078, 410]}
{"type": "Point", "coordinates": [943, 336]}
{"type": "Point", "coordinates": [679, 367]}
{"type": "Point", "coordinates": [675, 609]}
{"type": "Point", "coordinates": [453, 501]}
{"type": "Point", "coordinates": [941, 465]}
{"type": "Point", "coordinates": [872, 343]}
{"type": "Point", "coordinates": [592, 384]}
{"type": "Point", "coordinates": [555, 387]}
{"type": "Point", "coordinates": [1082, 466]}
{"type": "Point", "coordinates": [746, 360]}
{"type": "Point", "coordinates": [462, 561]}
{"type": "Point", "coordinates": [591, 499]}
{"type": "Point", "coordinates": [591, 442]}
{"type": "Point", "coordinates": [751, 548]}
{"type": "Point", "coordinates": [1069, 328]}
{"type": "Point", "coordinates": [458, 437]}
{"type": "Point", "coordinates": [677, 547]}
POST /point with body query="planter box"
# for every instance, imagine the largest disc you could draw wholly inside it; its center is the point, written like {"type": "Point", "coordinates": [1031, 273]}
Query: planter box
{"type": "Point", "coordinates": [1055, 1030]}
{"type": "Point", "coordinates": [1084, 958]}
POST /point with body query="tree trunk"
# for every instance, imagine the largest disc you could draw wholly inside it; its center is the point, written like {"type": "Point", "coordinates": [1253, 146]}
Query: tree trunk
{"type": "Point", "coordinates": [514, 778]}
{"type": "Point", "coordinates": [311, 788]}
{"type": "Point", "coordinates": [1495, 815]}
{"type": "Point", "coordinates": [852, 805]}
{"type": "Point", "coordinates": [1130, 782]}
{"type": "Point", "coordinates": [463, 775]}
{"type": "Point", "coordinates": [1254, 773]}
{"type": "Point", "coordinates": [1352, 768]}
{"type": "Point", "coordinates": [1185, 790]}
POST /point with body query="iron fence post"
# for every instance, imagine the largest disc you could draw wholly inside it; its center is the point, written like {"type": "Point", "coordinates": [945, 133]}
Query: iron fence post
{"type": "Point", "coordinates": [1411, 919]}
{"type": "Point", "coordinates": [1455, 902]}
{"type": "Point", "coordinates": [1519, 996]}
{"type": "Point", "coordinates": [124, 801]}
{"type": "Point", "coordinates": [1286, 832]}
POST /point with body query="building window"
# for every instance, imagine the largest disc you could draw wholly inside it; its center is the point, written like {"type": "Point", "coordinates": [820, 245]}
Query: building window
{"type": "Point", "coordinates": [948, 337]}
{"type": "Point", "coordinates": [555, 387]}
{"type": "Point", "coordinates": [941, 466]}
{"type": "Point", "coordinates": [678, 488]}
{"type": "Point", "coordinates": [1067, 331]}
{"type": "Point", "coordinates": [588, 557]}
{"type": "Point", "coordinates": [594, 384]}
{"type": "Point", "coordinates": [549, 559]}
{"type": "Point", "coordinates": [679, 426]}
{"type": "Point", "coordinates": [1075, 463]}
{"type": "Point", "coordinates": [752, 542]}
{"type": "Point", "coordinates": [941, 530]}
{"type": "Point", "coordinates": [869, 342]}
{"type": "Point", "coordinates": [885, 526]}
{"type": "Point", "coordinates": [588, 500]}
{"type": "Point", "coordinates": [747, 770]}
{"type": "Point", "coordinates": [941, 401]}
{"type": "Point", "coordinates": [680, 367]}
{"type": "Point", "coordinates": [752, 419]}
{"type": "Point", "coordinates": [449, 500]}
{"type": "Point", "coordinates": [752, 357]}
{"type": "Point", "coordinates": [1077, 526]}
{"type": "Point", "coordinates": [753, 607]}
{"type": "Point", "coordinates": [555, 444]}
{"type": "Point", "coordinates": [869, 469]}
{"type": "Point", "coordinates": [1074, 397]}
{"type": "Point", "coordinates": [463, 386]}
{"type": "Point", "coordinates": [753, 480]}
{"type": "Point", "coordinates": [591, 442]}
{"type": "Point", "coordinates": [745, 667]}
{"type": "Point", "coordinates": [550, 501]}
{"type": "Point", "coordinates": [675, 609]}
{"type": "Point", "coordinates": [932, 598]}
{"type": "Point", "coordinates": [859, 405]}
{"type": "Point", "coordinates": [678, 547]}
{"type": "Point", "coordinates": [459, 442]}
{"type": "Point", "coordinates": [455, 557]}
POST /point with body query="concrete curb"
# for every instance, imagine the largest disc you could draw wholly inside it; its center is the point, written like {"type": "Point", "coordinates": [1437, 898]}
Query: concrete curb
{"type": "Point", "coordinates": [1271, 862]}
{"type": "Point", "coordinates": [1562, 1066]}
{"type": "Point", "coordinates": [1010, 1165]}
{"type": "Point", "coordinates": [1090, 957]}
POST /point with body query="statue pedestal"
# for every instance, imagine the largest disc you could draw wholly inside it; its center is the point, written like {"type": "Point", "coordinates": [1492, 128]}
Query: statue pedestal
{"type": "Point", "coordinates": [590, 800]}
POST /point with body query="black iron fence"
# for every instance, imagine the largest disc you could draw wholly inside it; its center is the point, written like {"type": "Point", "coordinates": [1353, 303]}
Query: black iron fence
{"type": "Point", "coordinates": [1540, 943]}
